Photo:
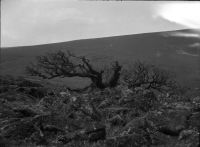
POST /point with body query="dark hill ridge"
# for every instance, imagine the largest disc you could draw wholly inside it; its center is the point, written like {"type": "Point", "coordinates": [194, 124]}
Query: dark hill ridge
{"type": "Point", "coordinates": [167, 49]}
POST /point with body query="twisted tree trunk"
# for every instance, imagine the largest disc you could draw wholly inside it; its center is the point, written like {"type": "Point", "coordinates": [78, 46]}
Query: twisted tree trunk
{"type": "Point", "coordinates": [60, 64]}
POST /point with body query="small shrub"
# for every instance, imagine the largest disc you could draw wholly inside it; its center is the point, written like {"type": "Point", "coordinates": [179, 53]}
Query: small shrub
{"type": "Point", "coordinates": [149, 77]}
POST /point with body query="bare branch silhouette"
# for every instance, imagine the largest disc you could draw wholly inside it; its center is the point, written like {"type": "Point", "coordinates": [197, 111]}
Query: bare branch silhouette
{"type": "Point", "coordinates": [61, 64]}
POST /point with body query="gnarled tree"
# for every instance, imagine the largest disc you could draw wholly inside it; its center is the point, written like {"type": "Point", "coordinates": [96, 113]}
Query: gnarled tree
{"type": "Point", "coordinates": [61, 64]}
{"type": "Point", "coordinates": [149, 77]}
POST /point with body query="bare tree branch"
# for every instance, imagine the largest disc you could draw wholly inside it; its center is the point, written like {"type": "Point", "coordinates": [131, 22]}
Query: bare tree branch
{"type": "Point", "coordinates": [61, 64]}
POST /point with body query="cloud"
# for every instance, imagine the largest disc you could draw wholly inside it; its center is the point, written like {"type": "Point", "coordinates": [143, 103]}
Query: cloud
{"type": "Point", "coordinates": [31, 22]}
{"type": "Point", "coordinates": [197, 44]}
{"type": "Point", "coordinates": [186, 53]}
{"type": "Point", "coordinates": [185, 34]}
{"type": "Point", "coordinates": [189, 33]}
{"type": "Point", "coordinates": [36, 21]}
{"type": "Point", "coordinates": [183, 13]}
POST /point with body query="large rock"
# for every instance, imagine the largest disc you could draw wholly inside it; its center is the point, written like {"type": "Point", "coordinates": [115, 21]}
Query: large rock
{"type": "Point", "coordinates": [143, 133]}
{"type": "Point", "coordinates": [175, 121]}
{"type": "Point", "coordinates": [188, 138]}
{"type": "Point", "coordinates": [157, 127]}
{"type": "Point", "coordinates": [169, 121]}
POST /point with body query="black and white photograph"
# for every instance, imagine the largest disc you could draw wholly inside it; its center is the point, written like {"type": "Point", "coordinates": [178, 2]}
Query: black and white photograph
{"type": "Point", "coordinates": [78, 73]}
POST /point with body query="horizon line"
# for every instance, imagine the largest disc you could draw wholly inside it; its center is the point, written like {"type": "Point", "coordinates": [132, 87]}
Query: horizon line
{"type": "Point", "coordinates": [7, 47]}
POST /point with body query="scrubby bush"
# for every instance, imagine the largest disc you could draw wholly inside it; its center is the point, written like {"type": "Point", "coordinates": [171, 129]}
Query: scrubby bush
{"type": "Point", "coordinates": [148, 76]}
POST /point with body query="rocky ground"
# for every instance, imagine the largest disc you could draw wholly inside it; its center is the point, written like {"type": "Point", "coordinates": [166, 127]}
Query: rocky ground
{"type": "Point", "coordinates": [33, 115]}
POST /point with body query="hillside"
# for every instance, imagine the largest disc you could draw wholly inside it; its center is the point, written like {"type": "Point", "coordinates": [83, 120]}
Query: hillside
{"type": "Point", "coordinates": [177, 53]}
{"type": "Point", "coordinates": [145, 109]}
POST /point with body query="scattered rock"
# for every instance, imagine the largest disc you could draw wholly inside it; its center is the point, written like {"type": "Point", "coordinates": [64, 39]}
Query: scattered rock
{"type": "Point", "coordinates": [91, 135]}
{"type": "Point", "coordinates": [64, 139]}
{"type": "Point", "coordinates": [97, 134]}
{"type": "Point", "coordinates": [116, 120]}
{"type": "Point", "coordinates": [135, 123]}
{"type": "Point", "coordinates": [37, 92]}
{"type": "Point", "coordinates": [56, 117]}
{"type": "Point", "coordinates": [133, 140]}
{"type": "Point", "coordinates": [195, 120]}
{"type": "Point", "coordinates": [63, 93]}
{"type": "Point", "coordinates": [104, 104]}
{"type": "Point", "coordinates": [196, 103]}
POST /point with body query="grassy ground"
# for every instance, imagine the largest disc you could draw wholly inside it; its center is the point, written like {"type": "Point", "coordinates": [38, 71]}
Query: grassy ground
{"type": "Point", "coordinates": [34, 114]}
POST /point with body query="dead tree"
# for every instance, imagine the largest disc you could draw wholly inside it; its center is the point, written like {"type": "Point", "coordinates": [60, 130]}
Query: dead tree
{"type": "Point", "coordinates": [61, 64]}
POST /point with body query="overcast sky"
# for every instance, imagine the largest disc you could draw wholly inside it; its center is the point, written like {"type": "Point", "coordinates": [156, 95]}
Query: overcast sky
{"type": "Point", "coordinates": [31, 22]}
